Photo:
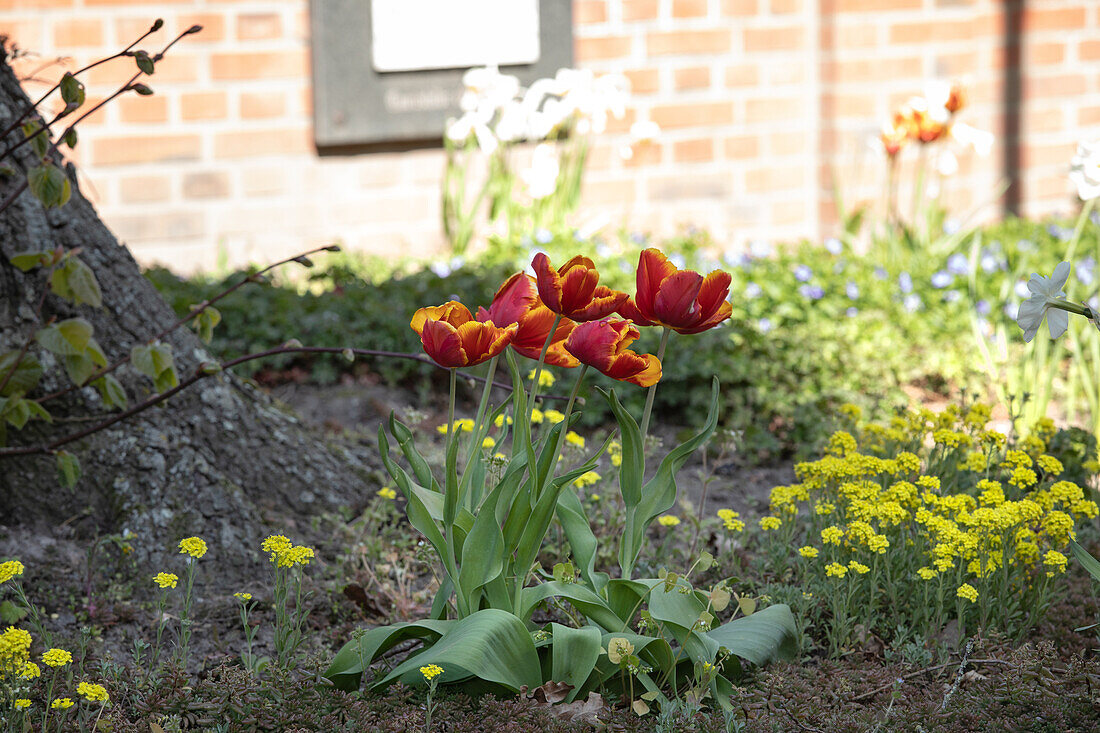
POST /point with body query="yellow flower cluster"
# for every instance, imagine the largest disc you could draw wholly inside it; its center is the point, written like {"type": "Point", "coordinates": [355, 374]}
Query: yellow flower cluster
{"type": "Point", "coordinates": [10, 569]}
{"type": "Point", "coordinates": [62, 703]}
{"type": "Point", "coordinates": [731, 520]}
{"type": "Point", "coordinates": [973, 505]}
{"type": "Point", "coordinates": [546, 379]}
{"type": "Point", "coordinates": [615, 453]}
{"type": "Point", "coordinates": [243, 596]}
{"type": "Point", "coordinates": [15, 645]}
{"type": "Point", "coordinates": [431, 671]}
{"type": "Point", "coordinates": [57, 658]}
{"type": "Point", "coordinates": [92, 692]}
{"type": "Point", "coordinates": [166, 580]}
{"type": "Point", "coordinates": [575, 440]}
{"type": "Point", "coordinates": [284, 553]}
{"type": "Point", "coordinates": [668, 520]}
{"type": "Point", "coordinates": [588, 478]}
{"type": "Point", "coordinates": [464, 425]}
{"type": "Point", "coordinates": [193, 547]}
{"type": "Point", "coordinates": [387, 492]}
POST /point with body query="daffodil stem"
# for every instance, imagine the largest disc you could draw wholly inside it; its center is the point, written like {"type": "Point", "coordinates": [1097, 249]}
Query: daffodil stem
{"type": "Point", "coordinates": [1079, 227]}
{"type": "Point", "coordinates": [653, 387]}
{"type": "Point", "coordinates": [538, 367]}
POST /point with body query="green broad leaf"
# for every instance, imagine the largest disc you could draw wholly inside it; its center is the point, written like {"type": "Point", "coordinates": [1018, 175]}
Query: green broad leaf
{"type": "Point", "coordinates": [655, 651]}
{"type": "Point", "coordinates": [82, 283]}
{"type": "Point", "coordinates": [27, 261]}
{"type": "Point", "coordinates": [142, 358]}
{"type": "Point", "coordinates": [24, 378]}
{"type": "Point", "coordinates": [39, 411]}
{"type": "Point", "coordinates": [67, 338]}
{"type": "Point", "coordinates": [111, 392]}
{"type": "Point", "coordinates": [573, 655]}
{"type": "Point", "coordinates": [421, 470]}
{"type": "Point", "coordinates": [206, 321]}
{"type": "Point", "coordinates": [11, 613]}
{"type": "Point", "coordinates": [347, 667]}
{"type": "Point", "coordinates": [482, 551]}
{"type": "Point", "coordinates": [594, 608]}
{"type": "Point", "coordinates": [70, 137]}
{"type": "Point", "coordinates": [1088, 562]}
{"type": "Point", "coordinates": [16, 411]}
{"type": "Point", "coordinates": [79, 368]}
{"type": "Point", "coordinates": [68, 469]}
{"type": "Point", "coordinates": [155, 361]}
{"type": "Point", "coordinates": [161, 354]}
{"type": "Point", "coordinates": [49, 184]}
{"type": "Point", "coordinates": [166, 380]}
{"type": "Point", "coordinates": [95, 353]}
{"type": "Point", "coordinates": [40, 143]}
{"type": "Point", "coordinates": [72, 91]}
{"type": "Point", "coordinates": [763, 637]}
{"type": "Point", "coordinates": [492, 645]}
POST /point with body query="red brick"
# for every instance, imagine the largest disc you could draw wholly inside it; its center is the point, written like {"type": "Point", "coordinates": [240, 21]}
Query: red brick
{"type": "Point", "coordinates": [876, 69]}
{"type": "Point", "coordinates": [143, 109]}
{"type": "Point", "coordinates": [693, 151]}
{"type": "Point", "coordinates": [669, 43]}
{"type": "Point", "coordinates": [693, 77]}
{"type": "Point", "coordinates": [930, 31]}
{"type": "Point", "coordinates": [741, 147]}
{"type": "Point", "coordinates": [266, 65]}
{"type": "Point", "coordinates": [586, 12]}
{"type": "Point", "coordinates": [781, 7]}
{"type": "Point", "coordinates": [789, 143]}
{"type": "Point", "coordinates": [1045, 53]}
{"type": "Point", "coordinates": [689, 8]}
{"type": "Point", "coordinates": [152, 149]}
{"type": "Point", "coordinates": [642, 155]}
{"type": "Point", "coordinates": [738, 8]}
{"type": "Point", "coordinates": [206, 185]}
{"type": "Point", "coordinates": [600, 48]}
{"type": "Point", "coordinates": [174, 67]}
{"type": "Point", "coordinates": [1053, 19]}
{"type": "Point", "coordinates": [843, 6]}
{"type": "Point", "coordinates": [639, 10]}
{"type": "Point", "coordinates": [254, 26]}
{"type": "Point", "coordinates": [1044, 120]}
{"type": "Point", "coordinates": [864, 35]}
{"type": "Point", "coordinates": [26, 33]}
{"type": "Point", "coordinates": [213, 27]}
{"type": "Point", "coordinates": [1052, 154]}
{"type": "Point", "coordinates": [203, 106]}
{"type": "Point", "coordinates": [260, 105]}
{"type": "Point", "coordinates": [145, 189]}
{"type": "Point", "coordinates": [1088, 116]}
{"type": "Point", "coordinates": [775, 178]}
{"type": "Point", "coordinates": [643, 81]}
{"type": "Point", "coordinates": [670, 116]}
{"type": "Point", "coordinates": [1088, 50]}
{"type": "Point", "coordinates": [783, 108]}
{"type": "Point", "coordinates": [1066, 85]}
{"type": "Point", "coordinates": [264, 142]}
{"type": "Point", "coordinates": [773, 39]}
{"type": "Point", "coordinates": [788, 212]}
{"type": "Point", "coordinates": [77, 33]}
{"type": "Point", "coordinates": [744, 75]}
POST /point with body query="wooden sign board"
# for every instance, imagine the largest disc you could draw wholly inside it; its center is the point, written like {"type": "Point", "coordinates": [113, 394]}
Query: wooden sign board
{"type": "Point", "coordinates": [389, 72]}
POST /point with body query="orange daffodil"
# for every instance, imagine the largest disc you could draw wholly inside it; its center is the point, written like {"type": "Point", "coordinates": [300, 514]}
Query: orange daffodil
{"type": "Point", "coordinates": [604, 345]}
{"type": "Point", "coordinates": [573, 290]}
{"type": "Point", "coordinates": [682, 300]}
{"type": "Point", "coordinates": [517, 302]}
{"type": "Point", "coordinates": [452, 337]}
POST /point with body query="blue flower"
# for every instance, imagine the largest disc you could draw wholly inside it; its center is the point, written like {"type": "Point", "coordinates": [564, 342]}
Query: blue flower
{"type": "Point", "coordinates": [912, 302]}
{"type": "Point", "coordinates": [1021, 289]}
{"type": "Point", "coordinates": [950, 226]}
{"type": "Point", "coordinates": [951, 296]}
{"type": "Point", "coordinates": [983, 307]}
{"type": "Point", "coordinates": [760, 248]}
{"type": "Point", "coordinates": [764, 325]}
{"type": "Point", "coordinates": [942, 279]}
{"type": "Point", "coordinates": [905, 282]}
{"type": "Point", "coordinates": [638, 237]}
{"type": "Point", "coordinates": [442, 269]}
{"type": "Point", "coordinates": [543, 236]}
{"type": "Point", "coordinates": [752, 290]}
{"type": "Point", "coordinates": [834, 245]}
{"type": "Point", "coordinates": [813, 292]}
{"type": "Point", "coordinates": [1086, 270]}
{"type": "Point", "coordinates": [851, 290]}
{"type": "Point", "coordinates": [852, 312]}
{"type": "Point", "coordinates": [802, 273]}
{"type": "Point", "coordinates": [990, 262]}
{"type": "Point", "coordinates": [1012, 310]}
{"type": "Point", "coordinates": [881, 273]}
{"type": "Point", "coordinates": [958, 264]}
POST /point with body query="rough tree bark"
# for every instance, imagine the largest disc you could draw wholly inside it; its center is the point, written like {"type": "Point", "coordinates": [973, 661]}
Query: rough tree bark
{"type": "Point", "coordinates": [220, 460]}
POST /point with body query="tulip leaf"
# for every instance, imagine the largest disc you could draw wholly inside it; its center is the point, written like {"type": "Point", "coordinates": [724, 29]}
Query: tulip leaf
{"type": "Point", "coordinates": [347, 667]}
{"type": "Point", "coordinates": [583, 542]}
{"type": "Point", "coordinates": [573, 655]}
{"type": "Point", "coordinates": [580, 597]}
{"type": "Point", "coordinates": [766, 635]}
{"type": "Point", "coordinates": [1088, 562]}
{"type": "Point", "coordinates": [491, 645]}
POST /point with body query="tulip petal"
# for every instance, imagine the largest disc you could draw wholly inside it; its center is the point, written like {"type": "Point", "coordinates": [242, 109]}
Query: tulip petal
{"type": "Point", "coordinates": [643, 370]}
{"type": "Point", "coordinates": [629, 310]}
{"type": "Point", "coordinates": [515, 297]}
{"type": "Point", "coordinates": [548, 282]}
{"type": "Point", "coordinates": [724, 311]}
{"type": "Point", "coordinates": [451, 312]}
{"type": "Point", "coordinates": [482, 341]}
{"type": "Point", "coordinates": [577, 288]}
{"type": "Point", "coordinates": [675, 304]}
{"type": "Point", "coordinates": [441, 342]}
{"type": "Point", "coordinates": [604, 302]}
{"type": "Point", "coordinates": [653, 269]}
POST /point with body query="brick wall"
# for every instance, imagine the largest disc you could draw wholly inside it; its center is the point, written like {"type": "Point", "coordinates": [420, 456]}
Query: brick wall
{"type": "Point", "coordinates": [767, 109]}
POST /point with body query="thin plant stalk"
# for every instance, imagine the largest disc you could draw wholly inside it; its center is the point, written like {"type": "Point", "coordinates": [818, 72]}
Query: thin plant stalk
{"type": "Point", "coordinates": [653, 387]}
{"type": "Point", "coordinates": [538, 366]}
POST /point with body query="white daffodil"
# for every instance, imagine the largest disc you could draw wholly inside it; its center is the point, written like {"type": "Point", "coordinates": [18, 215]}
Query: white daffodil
{"type": "Point", "coordinates": [1085, 170]}
{"type": "Point", "coordinates": [542, 177]}
{"type": "Point", "coordinates": [1046, 295]}
{"type": "Point", "coordinates": [980, 140]}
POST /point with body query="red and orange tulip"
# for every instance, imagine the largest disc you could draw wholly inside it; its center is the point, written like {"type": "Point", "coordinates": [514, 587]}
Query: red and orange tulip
{"type": "Point", "coordinates": [573, 290]}
{"type": "Point", "coordinates": [453, 338]}
{"type": "Point", "coordinates": [682, 300]}
{"type": "Point", "coordinates": [518, 302]}
{"type": "Point", "coordinates": [604, 345]}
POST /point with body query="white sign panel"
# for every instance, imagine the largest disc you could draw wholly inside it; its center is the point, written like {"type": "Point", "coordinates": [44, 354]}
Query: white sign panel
{"type": "Point", "coordinates": [414, 35]}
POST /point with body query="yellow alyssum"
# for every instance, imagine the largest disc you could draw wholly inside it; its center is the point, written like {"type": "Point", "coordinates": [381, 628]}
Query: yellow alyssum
{"type": "Point", "coordinates": [166, 580]}
{"type": "Point", "coordinates": [193, 547]}
{"type": "Point", "coordinates": [92, 692]}
{"type": "Point", "coordinates": [387, 492]}
{"type": "Point", "coordinates": [431, 671]}
{"type": "Point", "coordinates": [56, 658]}
{"type": "Point", "coordinates": [10, 569]}
{"type": "Point", "coordinates": [62, 703]}
{"type": "Point", "coordinates": [668, 520]}
{"type": "Point", "coordinates": [967, 592]}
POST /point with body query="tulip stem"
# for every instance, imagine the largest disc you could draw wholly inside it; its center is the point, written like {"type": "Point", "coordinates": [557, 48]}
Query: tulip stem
{"type": "Point", "coordinates": [653, 387]}
{"type": "Point", "coordinates": [538, 367]}
{"type": "Point", "coordinates": [480, 431]}
{"type": "Point", "coordinates": [450, 539]}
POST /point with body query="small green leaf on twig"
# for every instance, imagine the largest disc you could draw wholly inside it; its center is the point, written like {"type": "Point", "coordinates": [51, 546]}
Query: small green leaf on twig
{"type": "Point", "coordinates": [68, 469]}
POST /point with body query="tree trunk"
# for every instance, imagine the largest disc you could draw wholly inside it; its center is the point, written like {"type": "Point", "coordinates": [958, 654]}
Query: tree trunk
{"type": "Point", "coordinates": [219, 460]}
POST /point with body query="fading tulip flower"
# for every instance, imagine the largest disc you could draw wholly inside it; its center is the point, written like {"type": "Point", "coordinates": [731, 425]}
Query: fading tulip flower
{"type": "Point", "coordinates": [452, 337]}
{"type": "Point", "coordinates": [1046, 293]}
{"type": "Point", "coordinates": [573, 290]}
{"type": "Point", "coordinates": [682, 300]}
{"type": "Point", "coordinates": [517, 302]}
{"type": "Point", "coordinates": [604, 345]}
